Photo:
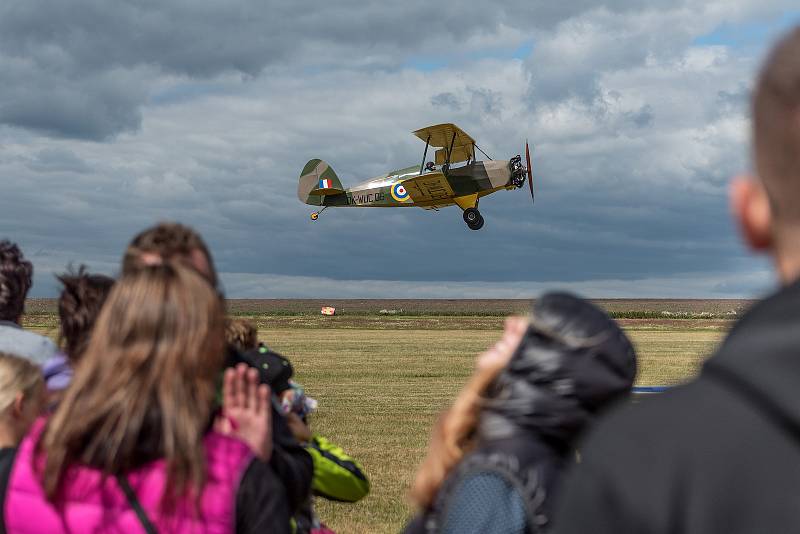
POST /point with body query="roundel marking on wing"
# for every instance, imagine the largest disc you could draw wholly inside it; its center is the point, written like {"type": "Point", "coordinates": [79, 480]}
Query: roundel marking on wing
{"type": "Point", "coordinates": [400, 193]}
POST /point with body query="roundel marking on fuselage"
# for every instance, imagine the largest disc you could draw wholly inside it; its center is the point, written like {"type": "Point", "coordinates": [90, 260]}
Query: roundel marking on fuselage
{"type": "Point", "coordinates": [399, 193]}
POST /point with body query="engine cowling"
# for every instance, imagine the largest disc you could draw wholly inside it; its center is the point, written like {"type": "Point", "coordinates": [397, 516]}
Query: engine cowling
{"type": "Point", "coordinates": [517, 171]}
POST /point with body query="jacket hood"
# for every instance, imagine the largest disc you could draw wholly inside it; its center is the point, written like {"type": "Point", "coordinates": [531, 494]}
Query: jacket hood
{"type": "Point", "coordinates": [760, 358]}
{"type": "Point", "coordinates": [573, 361]}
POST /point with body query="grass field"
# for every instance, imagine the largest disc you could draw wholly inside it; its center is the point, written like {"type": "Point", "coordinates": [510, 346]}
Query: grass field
{"type": "Point", "coordinates": [382, 378]}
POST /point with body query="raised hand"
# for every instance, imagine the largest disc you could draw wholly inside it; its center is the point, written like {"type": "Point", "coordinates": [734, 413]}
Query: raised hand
{"type": "Point", "coordinates": [246, 412]}
{"type": "Point", "coordinates": [499, 354]}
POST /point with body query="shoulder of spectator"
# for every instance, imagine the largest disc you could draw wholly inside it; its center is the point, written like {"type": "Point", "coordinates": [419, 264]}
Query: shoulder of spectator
{"type": "Point", "coordinates": [645, 419]}
{"type": "Point", "coordinates": [639, 437]}
{"type": "Point", "coordinates": [28, 345]}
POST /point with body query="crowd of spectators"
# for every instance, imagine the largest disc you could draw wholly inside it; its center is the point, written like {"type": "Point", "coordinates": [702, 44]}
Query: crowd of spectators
{"type": "Point", "coordinates": [157, 413]}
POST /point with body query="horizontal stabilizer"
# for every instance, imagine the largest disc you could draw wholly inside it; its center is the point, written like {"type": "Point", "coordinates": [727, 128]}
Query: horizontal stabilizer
{"type": "Point", "coordinates": [326, 191]}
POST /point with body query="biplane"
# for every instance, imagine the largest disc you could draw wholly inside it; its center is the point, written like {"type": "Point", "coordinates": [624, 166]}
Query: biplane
{"type": "Point", "coordinates": [453, 177]}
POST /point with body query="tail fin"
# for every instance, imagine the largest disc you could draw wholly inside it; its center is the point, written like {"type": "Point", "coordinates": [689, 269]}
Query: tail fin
{"type": "Point", "coordinates": [317, 180]}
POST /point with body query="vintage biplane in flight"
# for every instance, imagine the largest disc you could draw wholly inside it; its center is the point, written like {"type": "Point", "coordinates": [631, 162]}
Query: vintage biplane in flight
{"type": "Point", "coordinates": [454, 177]}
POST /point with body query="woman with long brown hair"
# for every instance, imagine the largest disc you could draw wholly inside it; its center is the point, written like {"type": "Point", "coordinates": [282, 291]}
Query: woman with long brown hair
{"type": "Point", "coordinates": [497, 455]}
{"type": "Point", "coordinates": [131, 444]}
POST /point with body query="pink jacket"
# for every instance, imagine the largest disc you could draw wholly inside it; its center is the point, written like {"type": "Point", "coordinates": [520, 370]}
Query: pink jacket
{"type": "Point", "coordinates": [90, 504]}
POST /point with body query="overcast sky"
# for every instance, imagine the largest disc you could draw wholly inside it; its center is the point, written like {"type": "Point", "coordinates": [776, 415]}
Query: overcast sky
{"type": "Point", "coordinates": [115, 115]}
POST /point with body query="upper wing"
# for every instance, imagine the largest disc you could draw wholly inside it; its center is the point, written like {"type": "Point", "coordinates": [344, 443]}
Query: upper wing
{"type": "Point", "coordinates": [445, 135]}
{"type": "Point", "coordinates": [441, 135]}
{"type": "Point", "coordinates": [429, 189]}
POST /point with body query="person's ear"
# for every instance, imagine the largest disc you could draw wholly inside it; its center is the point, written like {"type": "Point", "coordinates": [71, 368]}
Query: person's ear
{"type": "Point", "coordinates": [751, 209]}
{"type": "Point", "coordinates": [18, 406]}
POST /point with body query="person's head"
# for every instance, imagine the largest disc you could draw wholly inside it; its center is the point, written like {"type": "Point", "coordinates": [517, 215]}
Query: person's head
{"type": "Point", "coordinates": [21, 397]}
{"type": "Point", "coordinates": [572, 362]}
{"type": "Point", "coordinates": [169, 241]}
{"type": "Point", "coordinates": [147, 382]}
{"type": "Point", "coordinates": [79, 304]}
{"type": "Point", "coordinates": [274, 370]}
{"type": "Point", "coordinates": [767, 207]}
{"type": "Point", "coordinates": [16, 277]}
{"type": "Point", "coordinates": [241, 334]}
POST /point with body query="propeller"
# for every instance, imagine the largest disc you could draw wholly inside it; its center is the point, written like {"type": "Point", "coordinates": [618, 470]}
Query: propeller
{"type": "Point", "coordinates": [530, 170]}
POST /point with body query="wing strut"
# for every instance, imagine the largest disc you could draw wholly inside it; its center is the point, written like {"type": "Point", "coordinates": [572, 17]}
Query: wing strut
{"type": "Point", "coordinates": [446, 166]}
{"type": "Point", "coordinates": [425, 154]}
{"type": "Point", "coordinates": [482, 152]}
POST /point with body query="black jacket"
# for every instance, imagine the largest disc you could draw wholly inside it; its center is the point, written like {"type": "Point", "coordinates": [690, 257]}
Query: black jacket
{"type": "Point", "coordinates": [721, 454]}
{"type": "Point", "coordinates": [289, 460]}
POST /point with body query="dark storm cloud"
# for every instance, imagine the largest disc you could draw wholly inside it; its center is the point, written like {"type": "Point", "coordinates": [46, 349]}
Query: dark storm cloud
{"type": "Point", "coordinates": [90, 105]}
{"type": "Point", "coordinates": [74, 69]}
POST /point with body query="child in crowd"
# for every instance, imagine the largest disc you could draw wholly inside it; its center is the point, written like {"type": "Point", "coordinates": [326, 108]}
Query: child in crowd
{"type": "Point", "coordinates": [241, 334]}
{"type": "Point", "coordinates": [337, 476]}
{"type": "Point", "coordinates": [79, 304]}
{"type": "Point", "coordinates": [21, 401]}
{"type": "Point", "coordinates": [497, 456]}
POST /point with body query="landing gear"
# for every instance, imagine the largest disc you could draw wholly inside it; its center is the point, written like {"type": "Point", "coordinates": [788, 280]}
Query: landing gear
{"type": "Point", "coordinates": [473, 218]}
{"type": "Point", "coordinates": [315, 215]}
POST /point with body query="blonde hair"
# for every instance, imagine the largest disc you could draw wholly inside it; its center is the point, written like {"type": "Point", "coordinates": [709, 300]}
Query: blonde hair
{"type": "Point", "coordinates": [241, 334]}
{"type": "Point", "coordinates": [17, 375]}
{"type": "Point", "coordinates": [146, 383]}
{"type": "Point", "coordinates": [453, 437]}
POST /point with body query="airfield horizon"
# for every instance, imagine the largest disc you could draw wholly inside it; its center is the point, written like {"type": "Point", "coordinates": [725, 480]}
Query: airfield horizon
{"type": "Point", "coordinates": [619, 308]}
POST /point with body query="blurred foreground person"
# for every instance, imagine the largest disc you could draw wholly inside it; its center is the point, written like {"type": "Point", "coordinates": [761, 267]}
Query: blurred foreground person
{"type": "Point", "coordinates": [131, 445]}
{"type": "Point", "coordinates": [721, 454]}
{"type": "Point", "coordinates": [496, 458]}
{"type": "Point", "coordinates": [21, 402]}
{"type": "Point", "coordinates": [16, 277]}
{"type": "Point", "coordinates": [81, 299]}
{"type": "Point", "coordinates": [175, 242]}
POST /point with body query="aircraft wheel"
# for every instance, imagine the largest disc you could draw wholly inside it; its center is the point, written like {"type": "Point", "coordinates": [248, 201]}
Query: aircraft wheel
{"type": "Point", "coordinates": [314, 216]}
{"type": "Point", "coordinates": [477, 225]}
{"type": "Point", "coordinates": [471, 216]}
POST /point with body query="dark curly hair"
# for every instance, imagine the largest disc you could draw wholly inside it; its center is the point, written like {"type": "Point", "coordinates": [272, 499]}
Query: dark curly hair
{"type": "Point", "coordinates": [16, 277]}
{"type": "Point", "coordinates": [78, 307]}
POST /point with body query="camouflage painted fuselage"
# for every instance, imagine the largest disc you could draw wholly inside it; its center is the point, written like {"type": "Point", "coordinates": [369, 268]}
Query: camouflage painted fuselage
{"type": "Point", "coordinates": [406, 187]}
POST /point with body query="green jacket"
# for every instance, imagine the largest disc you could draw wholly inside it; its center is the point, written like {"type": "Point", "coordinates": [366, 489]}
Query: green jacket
{"type": "Point", "coordinates": [337, 476]}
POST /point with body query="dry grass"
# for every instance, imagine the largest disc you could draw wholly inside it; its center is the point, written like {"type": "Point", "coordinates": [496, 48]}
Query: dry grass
{"type": "Point", "coordinates": [381, 381]}
{"type": "Point", "coordinates": [380, 391]}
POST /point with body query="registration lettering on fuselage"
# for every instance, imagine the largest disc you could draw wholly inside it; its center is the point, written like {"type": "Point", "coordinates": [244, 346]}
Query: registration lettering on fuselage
{"type": "Point", "coordinates": [358, 199]}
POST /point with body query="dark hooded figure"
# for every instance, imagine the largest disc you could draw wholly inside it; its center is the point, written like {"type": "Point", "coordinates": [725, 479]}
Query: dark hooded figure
{"type": "Point", "coordinates": [498, 454]}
